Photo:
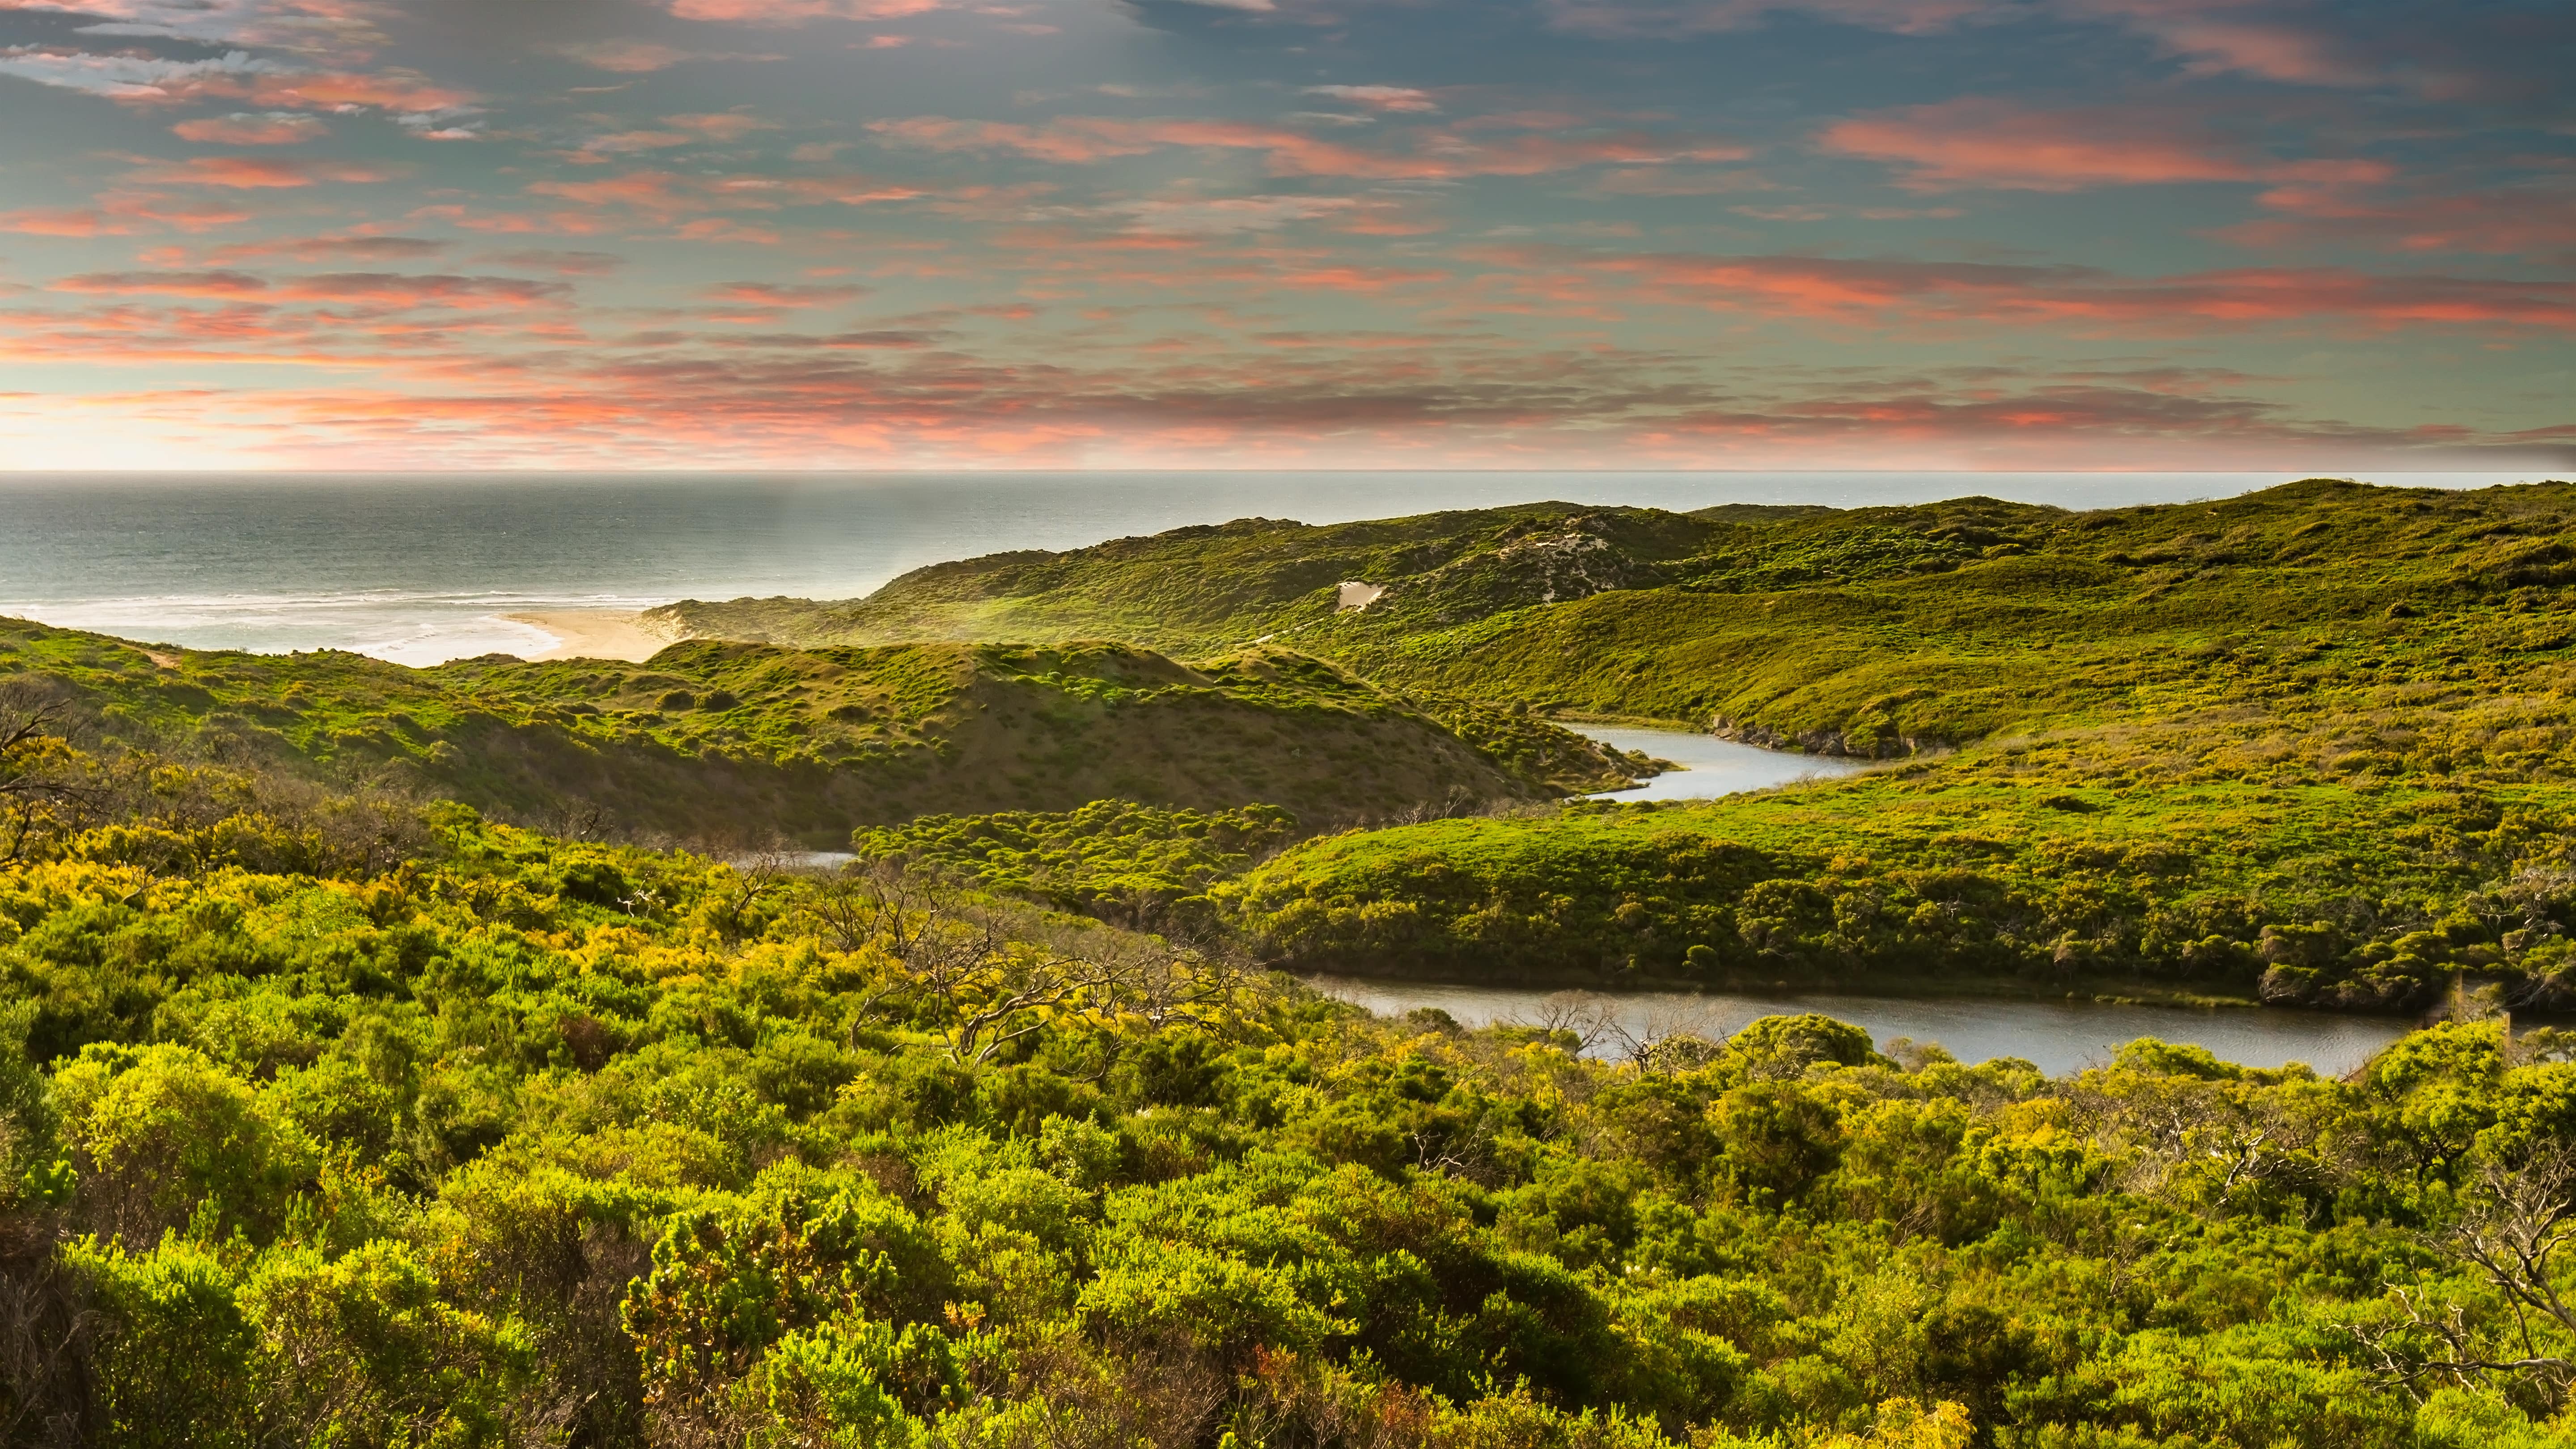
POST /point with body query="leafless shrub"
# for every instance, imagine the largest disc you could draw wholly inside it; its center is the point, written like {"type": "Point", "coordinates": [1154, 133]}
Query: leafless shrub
{"type": "Point", "coordinates": [1160, 1395]}
{"type": "Point", "coordinates": [2513, 1233]}
{"type": "Point", "coordinates": [1591, 1017]}
{"type": "Point", "coordinates": [1675, 1036]}
{"type": "Point", "coordinates": [998, 973]}
{"type": "Point", "coordinates": [46, 1330]}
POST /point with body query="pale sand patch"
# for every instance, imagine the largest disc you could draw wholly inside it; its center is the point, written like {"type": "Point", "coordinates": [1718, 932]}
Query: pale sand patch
{"type": "Point", "coordinates": [1357, 595]}
{"type": "Point", "coordinates": [594, 634]}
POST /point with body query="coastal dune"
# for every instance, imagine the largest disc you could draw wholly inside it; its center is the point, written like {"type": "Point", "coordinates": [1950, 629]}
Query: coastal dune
{"type": "Point", "coordinates": [595, 634]}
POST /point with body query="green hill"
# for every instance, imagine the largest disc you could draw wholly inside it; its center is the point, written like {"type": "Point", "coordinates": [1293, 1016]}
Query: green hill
{"type": "Point", "coordinates": [1871, 631]}
{"type": "Point", "coordinates": [1211, 588]}
{"type": "Point", "coordinates": [714, 740]}
{"type": "Point", "coordinates": [2312, 745]}
{"type": "Point", "coordinates": [2137, 865]}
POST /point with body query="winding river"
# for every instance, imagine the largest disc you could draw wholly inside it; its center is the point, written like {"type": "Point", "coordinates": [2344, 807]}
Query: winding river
{"type": "Point", "coordinates": [1710, 766]}
{"type": "Point", "coordinates": [2058, 1036]}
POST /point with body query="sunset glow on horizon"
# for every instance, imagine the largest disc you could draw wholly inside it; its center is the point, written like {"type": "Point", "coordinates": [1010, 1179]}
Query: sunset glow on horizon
{"type": "Point", "coordinates": [1924, 234]}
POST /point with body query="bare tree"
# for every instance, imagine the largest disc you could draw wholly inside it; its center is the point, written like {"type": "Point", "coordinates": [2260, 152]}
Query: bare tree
{"type": "Point", "coordinates": [2513, 1233]}
{"type": "Point", "coordinates": [882, 904]}
{"type": "Point", "coordinates": [2224, 1139]}
{"type": "Point", "coordinates": [1592, 1017]}
{"type": "Point", "coordinates": [42, 783]}
{"type": "Point", "coordinates": [999, 974]}
{"type": "Point", "coordinates": [1672, 1037]}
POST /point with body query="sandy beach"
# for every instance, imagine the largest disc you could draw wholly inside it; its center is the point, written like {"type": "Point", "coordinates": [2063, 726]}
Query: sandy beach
{"type": "Point", "coordinates": [594, 634]}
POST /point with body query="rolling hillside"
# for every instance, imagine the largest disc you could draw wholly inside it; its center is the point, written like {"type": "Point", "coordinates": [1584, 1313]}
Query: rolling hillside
{"type": "Point", "coordinates": [716, 741]}
{"type": "Point", "coordinates": [1878, 631]}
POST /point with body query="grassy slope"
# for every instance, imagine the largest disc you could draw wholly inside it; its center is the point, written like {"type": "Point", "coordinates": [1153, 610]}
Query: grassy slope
{"type": "Point", "coordinates": [2178, 872]}
{"type": "Point", "coordinates": [2266, 699]}
{"type": "Point", "coordinates": [1858, 631]}
{"type": "Point", "coordinates": [1208, 589]}
{"type": "Point", "coordinates": [2310, 595]}
{"type": "Point", "coordinates": [2311, 744]}
{"type": "Point", "coordinates": [2314, 745]}
{"type": "Point", "coordinates": [713, 739]}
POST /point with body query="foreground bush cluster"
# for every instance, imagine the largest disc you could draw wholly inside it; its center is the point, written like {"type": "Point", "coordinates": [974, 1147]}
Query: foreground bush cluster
{"type": "Point", "coordinates": [433, 1131]}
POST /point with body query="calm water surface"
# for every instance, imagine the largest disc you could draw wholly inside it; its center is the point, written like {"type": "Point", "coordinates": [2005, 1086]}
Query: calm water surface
{"type": "Point", "coordinates": [423, 568]}
{"type": "Point", "coordinates": [2058, 1037]}
{"type": "Point", "coordinates": [1711, 767]}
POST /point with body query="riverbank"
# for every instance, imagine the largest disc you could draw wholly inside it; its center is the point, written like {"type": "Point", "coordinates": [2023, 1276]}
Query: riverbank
{"type": "Point", "coordinates": [595, 634]}
{"type": "Point", "coordinates": [1700, 766]}
{"type": "Point", "coordinates": [1889, 985]}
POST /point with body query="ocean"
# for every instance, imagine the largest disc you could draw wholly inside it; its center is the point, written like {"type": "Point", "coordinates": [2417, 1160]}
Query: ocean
{"type": "Point", "coordinates": [423, 568]}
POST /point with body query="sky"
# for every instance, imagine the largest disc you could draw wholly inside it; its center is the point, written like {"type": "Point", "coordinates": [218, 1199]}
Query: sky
{"type": "Point", "coordinates": [668, 234]}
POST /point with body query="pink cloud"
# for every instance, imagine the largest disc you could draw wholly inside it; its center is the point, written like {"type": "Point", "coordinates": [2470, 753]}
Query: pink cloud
{"type": "Point", "coordinates": [330, 248]}
{"type": "Point", "coordinates": [374, 289]}
{"type": "Point", "coordinates": [397, 290]}
{"type": "Point", "coordinates": [773, 294]}
{"type": "Point", "coordinates": [520, 223]}
{"type": "Point", "coordinates": [651, 191]}
{"type": "Point", "coordinates": [164, 284]}
{"type": "Point", "coordinates": [123, 213]}
{"type": "Point", "coordinates": [68, 221]}
{"type": "Point", "coordinates": [721, 126]}
{"type": "Point", "coordinates": [1085, 139]}
{"type": "Point", "coordinates": [799, 12]}
{"type": "Point", "coordinates": [1385, 397]}
{"type": "Point", "coordinates": [727, 230]}
{"type": "Point", "coordinates": [1907, 292]}
{"type": "Point", "coordinates": [1379, 98]}
{"type": "Point", "coordinates": [251, 173]}
{"type": "Point", "coordinates": [1650, 18]}
{"type": "Point", "coordinates": [1993, 143]}
{"type": "Point", "coordinates": [2249, 37]}
{"type": "Point", "coordinates": [284, 130]}
{"type": "Point", "coordinates": [392, 90]}
{"type": "Point", "coordinates": [571, 264]}
{"type": "Point", "coordinates": [2535, 219]}
{"type": "Point", "coordinates": [623, 57]}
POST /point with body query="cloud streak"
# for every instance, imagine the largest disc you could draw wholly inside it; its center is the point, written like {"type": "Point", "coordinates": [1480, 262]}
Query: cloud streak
{"type": "Point", "coordinates": [1659, 232]}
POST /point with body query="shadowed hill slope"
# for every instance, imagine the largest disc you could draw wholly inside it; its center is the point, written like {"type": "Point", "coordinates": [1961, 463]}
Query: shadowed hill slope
{"type": "Point", "coordinates": [711, 740]}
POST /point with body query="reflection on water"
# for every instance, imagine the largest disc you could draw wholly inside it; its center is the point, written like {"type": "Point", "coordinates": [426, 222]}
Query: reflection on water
{"type": "Point", "coordinates": [2058, 1036]}
{"type": "Point", "coordinates": [1710, 766]}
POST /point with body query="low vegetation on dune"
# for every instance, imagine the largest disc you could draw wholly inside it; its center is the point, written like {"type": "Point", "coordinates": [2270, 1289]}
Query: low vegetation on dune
{"type": "Point", "coordinates": [335, 1120]}
{"type": "Point", "coordinates": [718, 741]}
{"type": "Point", "coordinates": [1212, 588]}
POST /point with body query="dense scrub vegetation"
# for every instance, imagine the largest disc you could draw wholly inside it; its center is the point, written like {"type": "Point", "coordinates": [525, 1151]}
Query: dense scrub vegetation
{"type": "Point", "coordinates": [1111, 859]}
{"type": "Point", "coordinates": [712, 740]}
{"type": "Point", "coordinates": [328, 1121]}
{"type": "Point", "coordinates": [2192, 870]}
